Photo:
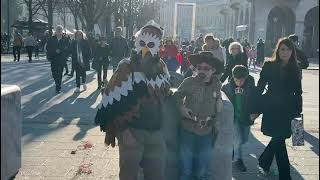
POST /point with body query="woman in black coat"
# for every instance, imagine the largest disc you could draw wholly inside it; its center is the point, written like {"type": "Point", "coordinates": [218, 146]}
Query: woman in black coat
{"type": "Point", "coordinates": [280, 104]}
{"type": "Point", "coordinates": [81, 54]}
{"type": "Point", "coordinates": [236, 57]}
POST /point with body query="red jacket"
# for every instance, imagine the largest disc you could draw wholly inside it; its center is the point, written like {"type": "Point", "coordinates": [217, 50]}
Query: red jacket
{"type": "Point", "coordinates": [179, 57]}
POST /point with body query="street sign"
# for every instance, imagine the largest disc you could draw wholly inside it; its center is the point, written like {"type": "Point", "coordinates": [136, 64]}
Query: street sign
{"type": "Point", "coordinates": [241, 27]}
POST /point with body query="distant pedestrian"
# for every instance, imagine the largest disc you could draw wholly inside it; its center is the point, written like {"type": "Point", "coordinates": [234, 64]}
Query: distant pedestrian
{"type": "Point", "coordinates": [29, 43]}
{"type": "Point", "coordinates": [199, 44]}
{"type": "Point", "coordinates": [37, 48]}
{"type": "Point", "coordinates": [81, 54]}
{"type": "Point", "coordinates": [101, 61]}
{"type": "Point", "coordinates": [279, 105]}
{"type": "Point", "coordinates": [226, 43]}
{"type": "Point", "coordinates": [170, 56]}
{"type": "Point", "coordinates": [17, 44]}
{"type": "Point", "coordinates": [57, 53]}
{"type": "Point", "coordinates": [301, 56]}
{"type": "Point", "coordinates": [260, 52]}
{"type": "Point", "coordinates": [132, 42]}
{"type": "Point", "coordinates": [191, 47]}
{"type": "Point", "coordinates": [213, 45]}
{"type": "Point", "coordinates": [252, 54]}
{"type": "Point", "coordinates": [119, 48]}
{"type": "Point", "coordinates": [236, 57]}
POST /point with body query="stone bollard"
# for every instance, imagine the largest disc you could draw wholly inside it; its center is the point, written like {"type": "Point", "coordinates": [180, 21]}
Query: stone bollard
{"type": "Point", "coordinates": [221, 164]}
{"type": "Point", "coordinates": [11, 122]}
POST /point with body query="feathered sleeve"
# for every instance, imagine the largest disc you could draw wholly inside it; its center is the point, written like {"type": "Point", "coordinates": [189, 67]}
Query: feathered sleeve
{"type": "Point", "coordinates": [121, 100]}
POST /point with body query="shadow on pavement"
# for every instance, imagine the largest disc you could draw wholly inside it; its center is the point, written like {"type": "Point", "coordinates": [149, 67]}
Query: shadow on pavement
{"type": "Point", "coordinates": [252, 151]}
{"type": "Point", "coordinates": [40, 104]}
{"type": "Point", "coordinates": [313, 141]}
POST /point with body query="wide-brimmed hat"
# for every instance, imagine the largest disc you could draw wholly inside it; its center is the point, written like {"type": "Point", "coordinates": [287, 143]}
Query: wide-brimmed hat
{"type": "Point", "coordinates": [207, 57]}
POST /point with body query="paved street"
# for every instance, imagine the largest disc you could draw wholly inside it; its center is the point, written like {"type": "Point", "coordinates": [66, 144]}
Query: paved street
{"type": "Point", "coordinates": [55, 125]}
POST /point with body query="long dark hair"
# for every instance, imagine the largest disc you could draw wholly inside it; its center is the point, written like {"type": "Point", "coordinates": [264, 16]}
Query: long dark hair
{"type": "Point", "coordinates": [292, 65]}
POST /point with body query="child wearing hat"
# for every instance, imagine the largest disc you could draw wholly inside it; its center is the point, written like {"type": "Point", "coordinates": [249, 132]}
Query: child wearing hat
{"type": "Point", "coordinates": [199, 99]}
{"type": "Point", "coordinates": [241, 92]}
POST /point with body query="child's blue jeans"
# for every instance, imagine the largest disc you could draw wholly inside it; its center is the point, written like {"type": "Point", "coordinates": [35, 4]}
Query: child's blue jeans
{"type": "Point", "coordinates": [240, 137]}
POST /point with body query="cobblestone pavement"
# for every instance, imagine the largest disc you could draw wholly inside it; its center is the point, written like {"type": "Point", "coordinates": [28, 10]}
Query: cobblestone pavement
{"type": "Point", "coordinates": [58, 130]}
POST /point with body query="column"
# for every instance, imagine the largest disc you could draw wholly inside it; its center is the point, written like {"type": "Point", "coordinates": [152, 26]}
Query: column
{"type": "Point", "coordinates": [250, 24]}
{"type": "Point", "coordinates": [299, 28]}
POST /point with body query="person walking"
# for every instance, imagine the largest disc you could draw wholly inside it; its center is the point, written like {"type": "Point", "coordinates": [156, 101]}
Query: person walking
{"type": "Point", "coordinates": [199, 44]}
{"type": "Point", "coordinates": [301, 56]}
{"type": "Point", "coordinates": [37, 48]}
{"type": "Point", "coordinates": [80, 53]}
{"type": "Point", "coordinates": [260, 52]}
{"type": "Point", "coordinates": [199, 100]}
{"type": "Point", "coordinates": [101, 61]}
{"type": "Point", "coordinates": [236, 57]}
{"type": "Point", "coordinates": [29, 43]}
{"type": "Point", "coordinates": [279, 105]}
{"type": "Point", "coordinates": [252, 54]}
{"type": "Point", "coordinates": [57, 53]}
{"type": "Point", "coordinates": [119, 48]}
{"type": "Point", "coordinates": [241, 91]}
{"type": "Point", "coordinates": [226, 43]}
{"type": "Point", "coordinates": [170, 56]}
{"type": "Point", "coordinates": [131, 109]}
{"type": "Point", "coordinates": [17, 44]}
{"type": "Point", "coordinates": [213, 45]}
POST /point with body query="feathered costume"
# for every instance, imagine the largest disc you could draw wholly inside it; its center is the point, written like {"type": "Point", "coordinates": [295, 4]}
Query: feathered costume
{"type": "Point", "coordinates": [130, 87]}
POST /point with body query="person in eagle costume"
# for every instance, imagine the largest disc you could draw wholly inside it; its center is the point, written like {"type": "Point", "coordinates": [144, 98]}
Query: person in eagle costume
{"type": "Point", "coordinates": [131, 107]}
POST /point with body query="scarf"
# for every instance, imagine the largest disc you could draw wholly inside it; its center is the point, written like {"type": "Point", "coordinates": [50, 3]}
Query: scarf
{"type": "Point", "coordinates": [79, 53]}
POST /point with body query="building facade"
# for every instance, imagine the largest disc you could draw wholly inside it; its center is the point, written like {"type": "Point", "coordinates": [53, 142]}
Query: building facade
{"type": "Point", "coordinates": [254, 19]}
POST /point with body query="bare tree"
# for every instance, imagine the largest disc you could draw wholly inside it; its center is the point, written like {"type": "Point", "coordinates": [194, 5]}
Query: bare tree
{"type": "Point", "coordinates": [33, 7]}
{"type": "Point", "coordinates": [74, 7]}
{"type": "Point", "coordinates": [48, 7]}
{"type": "Point", "coordinates": [92, 10]}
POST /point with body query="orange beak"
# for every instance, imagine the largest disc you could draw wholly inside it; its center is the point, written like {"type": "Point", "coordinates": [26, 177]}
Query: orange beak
{"type": "Point", "coordinates": [144, 51]}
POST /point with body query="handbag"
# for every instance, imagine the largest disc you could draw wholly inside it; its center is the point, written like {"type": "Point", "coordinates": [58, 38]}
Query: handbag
{"type": "Point", "coordinates": [297, 131]}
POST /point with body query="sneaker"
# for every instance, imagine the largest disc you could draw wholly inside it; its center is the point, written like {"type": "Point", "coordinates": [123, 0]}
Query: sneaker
{"type": "Point", "coordinates": [84, 87]}
{"type": "Point", "coordinates": [240, 165]}
{"type": "Point", "coordinates": [77, 90]}
{"type": "Point", "coordinates": [58, 91]}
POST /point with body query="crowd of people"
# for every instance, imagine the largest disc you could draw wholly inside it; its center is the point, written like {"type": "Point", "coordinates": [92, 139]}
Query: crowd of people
{"type": "Point", "coordinates": [141, 66]}
{"type": "Point", "coordinates": [134, 95]}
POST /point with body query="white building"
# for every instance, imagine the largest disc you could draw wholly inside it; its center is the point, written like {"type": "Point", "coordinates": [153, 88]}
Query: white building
{"type": "Point", "coordinates": [253, 19]}
{"type": "Point", "coordinates": [184, 21]}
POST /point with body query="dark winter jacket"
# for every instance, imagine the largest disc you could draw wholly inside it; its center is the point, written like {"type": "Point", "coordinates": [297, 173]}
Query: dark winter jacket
{"type": "Point", "coordinates": [248, 101]}
{"type": "Point", "coordinates": [101, 57]}
{"type": "Point", "coordinates": [282, 100]}
{"type": "Point", "coordinates": [260, 52]}
{"type": "Point", "coordinates": [302, 59]}
{"type": "Point", "coordinates": [239, 59]}
{"type": "Point", "coordinates": [53, 45]}
{"type": "Point", "coordinates": [86, 54]}
{"type": "Point", "coordinates": [119, 47]}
